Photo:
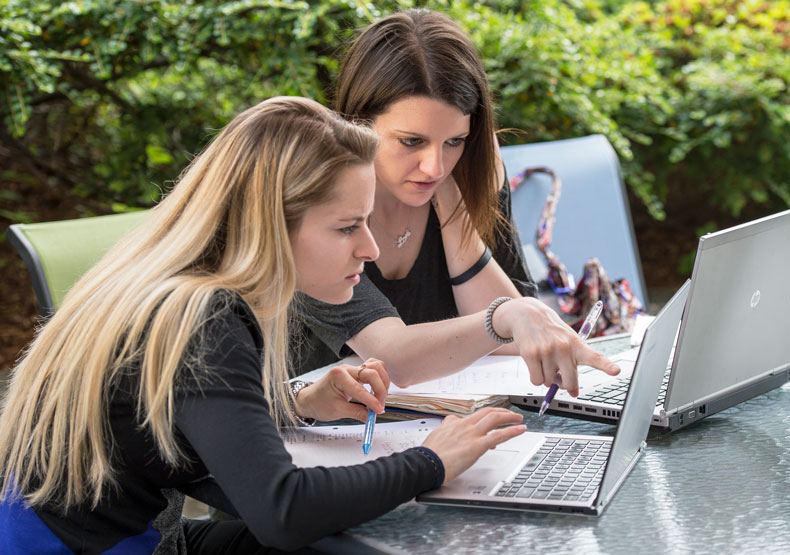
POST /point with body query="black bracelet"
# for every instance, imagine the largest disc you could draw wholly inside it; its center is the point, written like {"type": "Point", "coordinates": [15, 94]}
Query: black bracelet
{"type": "Point", "coordinates": [474, 270]}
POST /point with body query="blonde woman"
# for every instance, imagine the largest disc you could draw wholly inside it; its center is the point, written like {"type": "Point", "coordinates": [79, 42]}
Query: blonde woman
{"type": "Point", "coordinates": [148, 383]}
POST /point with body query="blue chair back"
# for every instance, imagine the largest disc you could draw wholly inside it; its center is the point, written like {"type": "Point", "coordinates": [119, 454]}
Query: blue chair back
{"type": "Point", "coordinates": [593, 216]}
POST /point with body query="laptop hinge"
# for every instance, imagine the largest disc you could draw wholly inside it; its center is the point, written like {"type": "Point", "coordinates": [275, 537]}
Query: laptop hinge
{"type": "Point", "coordinates": [686, 407]}
{"type": "Point", "coordinates": [602, 501]}
{"type": "Point", "coordinates": [780, 369]}
{"type": "Point", "coordinates": [730, 389]}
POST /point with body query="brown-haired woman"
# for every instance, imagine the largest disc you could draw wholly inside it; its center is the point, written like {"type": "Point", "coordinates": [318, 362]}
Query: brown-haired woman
{"type": "Point", "coordinates": [436, 300]}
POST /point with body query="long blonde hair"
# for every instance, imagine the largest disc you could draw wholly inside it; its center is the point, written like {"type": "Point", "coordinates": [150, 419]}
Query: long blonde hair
{"type": "Point", "coordinates": [224, 226]}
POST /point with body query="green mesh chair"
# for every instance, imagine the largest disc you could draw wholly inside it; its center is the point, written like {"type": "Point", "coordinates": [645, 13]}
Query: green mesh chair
{"type": "Point", "coordinates": [57, 254]}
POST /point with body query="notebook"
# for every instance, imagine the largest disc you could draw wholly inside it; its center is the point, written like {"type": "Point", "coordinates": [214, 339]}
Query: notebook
{"type": "Point", "coordinates": [571, 473]}
{"type": "Point", "coordinates": [732, 344]}
{"type": "Point", "coordinates": [485, 383]}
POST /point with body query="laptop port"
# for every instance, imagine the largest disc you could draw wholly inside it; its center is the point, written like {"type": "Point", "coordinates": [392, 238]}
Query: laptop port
{"type": "Point", "coordinates": [577, 407]}
{"type": "Point", "coordinates": [590, 409]}
{"type": "Point", "coordinates": [702, 409]}
{"type": "Point", "coordinates": [563, 405]}
{"type": "Point", "coordinates": [692, 413]}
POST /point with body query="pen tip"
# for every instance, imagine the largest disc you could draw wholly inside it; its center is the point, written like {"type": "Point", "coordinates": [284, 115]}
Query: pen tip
{"type": "Point", "coordinates": [366, 449]}
{"type": "Point", "coordinates": [543, 408]}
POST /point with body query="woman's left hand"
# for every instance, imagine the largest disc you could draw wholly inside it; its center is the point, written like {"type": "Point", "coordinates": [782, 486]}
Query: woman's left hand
{"type": "Point", "coordinates": [329, 398]}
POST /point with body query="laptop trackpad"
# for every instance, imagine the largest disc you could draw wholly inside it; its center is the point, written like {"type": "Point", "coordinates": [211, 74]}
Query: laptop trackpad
{"type": "Point", "coordinates": [490, 469]}
{"type": "Point", "coordinates": [495, 459]}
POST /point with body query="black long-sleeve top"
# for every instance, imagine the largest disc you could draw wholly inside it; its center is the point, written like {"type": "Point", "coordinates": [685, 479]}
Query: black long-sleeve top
{"type": "Point", "coordinates": [224, 427]}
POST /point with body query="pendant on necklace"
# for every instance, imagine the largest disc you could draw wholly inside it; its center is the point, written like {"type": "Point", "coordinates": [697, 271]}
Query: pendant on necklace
{"type": "Point", "coordinates": [403, 238]}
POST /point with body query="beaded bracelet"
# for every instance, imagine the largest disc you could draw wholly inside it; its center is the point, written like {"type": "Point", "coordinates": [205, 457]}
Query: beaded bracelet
{"type": "Point", "coordinates": [490, 327]}
{"type": "Point", "coordinates": [474, 270]}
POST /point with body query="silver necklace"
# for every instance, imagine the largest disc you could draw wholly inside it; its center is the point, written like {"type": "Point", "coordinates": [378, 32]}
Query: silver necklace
{"type": "Point", "coordinates": [401, 239]}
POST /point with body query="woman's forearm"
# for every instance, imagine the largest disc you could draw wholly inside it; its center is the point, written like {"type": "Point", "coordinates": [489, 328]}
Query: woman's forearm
{"type": "Point", "coordinates": [423, 352]}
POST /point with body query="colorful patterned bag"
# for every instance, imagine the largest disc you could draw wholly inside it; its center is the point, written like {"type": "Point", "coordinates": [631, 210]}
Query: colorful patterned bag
{"type": "Point", "coordinates": [620, 306]}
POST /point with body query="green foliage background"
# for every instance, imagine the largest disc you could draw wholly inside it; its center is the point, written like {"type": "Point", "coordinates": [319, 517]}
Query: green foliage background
{"type": "Point", "coordinates": [109, 99]}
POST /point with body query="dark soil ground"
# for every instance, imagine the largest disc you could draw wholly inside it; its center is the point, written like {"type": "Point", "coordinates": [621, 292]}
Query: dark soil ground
{"type": "Point", "coordinates": [19, 312]}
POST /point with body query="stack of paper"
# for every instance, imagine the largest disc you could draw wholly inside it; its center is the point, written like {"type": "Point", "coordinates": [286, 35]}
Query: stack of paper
{"type": "Point", "coordinates": [444, 403]}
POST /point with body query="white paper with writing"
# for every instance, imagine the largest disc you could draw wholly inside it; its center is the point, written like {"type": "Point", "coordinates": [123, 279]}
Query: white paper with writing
{"type": "Point", "coordinates": [490, 375]}
{"type": "Point", "coordinates": [342, 445]}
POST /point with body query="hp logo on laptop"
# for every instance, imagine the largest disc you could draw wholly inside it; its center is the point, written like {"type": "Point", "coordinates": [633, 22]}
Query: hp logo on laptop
{"type": "Point", "coordinates": [755, 298]}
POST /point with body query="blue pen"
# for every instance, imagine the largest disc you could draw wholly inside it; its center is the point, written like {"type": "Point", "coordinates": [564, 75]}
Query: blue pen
{"type": "Point", "coordinates": [368, 440]}
{"type": "Point", "coordinates": [584, 333]}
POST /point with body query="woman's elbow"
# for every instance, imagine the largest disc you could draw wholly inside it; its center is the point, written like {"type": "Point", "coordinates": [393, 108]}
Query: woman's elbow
{"type": "Point", "coordinates": [403, 381]}
{"type": "Point", "coordinates": [402, 373]}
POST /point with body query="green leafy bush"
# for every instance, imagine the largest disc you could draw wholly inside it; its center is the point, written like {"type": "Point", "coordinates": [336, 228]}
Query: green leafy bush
{"type": "Point", "coordinates": [728, 133]}
{"type": "Point", "coordinates": [693, 94]}
{"type": "Point", "coordinates": [111, 98]}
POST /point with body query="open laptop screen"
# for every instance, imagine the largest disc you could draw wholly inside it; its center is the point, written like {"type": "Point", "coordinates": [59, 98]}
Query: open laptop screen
{"type": "Point", "coordinates": [640, 401]}
{"type": "Point", "coordinates": [737, 324]}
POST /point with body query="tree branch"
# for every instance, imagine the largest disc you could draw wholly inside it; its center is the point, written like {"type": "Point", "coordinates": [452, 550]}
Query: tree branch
{"type": "Point", "coordinates": [37, 167]}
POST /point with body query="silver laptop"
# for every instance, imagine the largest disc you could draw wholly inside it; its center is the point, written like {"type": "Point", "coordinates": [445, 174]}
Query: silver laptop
{"type": "Point", "coordinates": [733, 340]}
{"type": "Point", "coordinates": [572, 473]}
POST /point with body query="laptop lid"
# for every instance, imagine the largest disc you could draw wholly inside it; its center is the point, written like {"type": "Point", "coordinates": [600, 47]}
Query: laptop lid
{"type": "Point", "coordinates": [640, 401]}
{"type": "Point", "coordinates": [736, 325]}
{"type": "Point", "coordinates": [601, 396]}
{"type": "Point", "coordinates": [479, 485]}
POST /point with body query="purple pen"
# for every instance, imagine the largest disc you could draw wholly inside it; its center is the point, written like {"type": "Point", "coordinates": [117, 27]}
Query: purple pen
{"type": "Point", "coordinates": [584, 333]}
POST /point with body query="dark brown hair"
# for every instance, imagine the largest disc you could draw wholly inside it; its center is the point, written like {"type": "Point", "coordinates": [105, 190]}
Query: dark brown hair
{"type": "Point", "coordinates": [424, 53]}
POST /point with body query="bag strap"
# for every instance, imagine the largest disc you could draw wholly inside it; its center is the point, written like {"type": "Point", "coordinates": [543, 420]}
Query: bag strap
{"type": "Point", "coordinates": [620, 304]}
{"type": "Point", "coordinates": [559, 279]}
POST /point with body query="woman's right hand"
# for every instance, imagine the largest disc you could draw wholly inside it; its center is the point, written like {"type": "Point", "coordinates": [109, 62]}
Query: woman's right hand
{"type": "Point", "coordinates": [459, 442]}
{"type": "Point", "coordinates": [547, 344]}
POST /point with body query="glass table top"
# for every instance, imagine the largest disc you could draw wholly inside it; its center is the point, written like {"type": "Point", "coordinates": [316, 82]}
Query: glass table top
{"type": "Point", "coordinates": [720, 485]}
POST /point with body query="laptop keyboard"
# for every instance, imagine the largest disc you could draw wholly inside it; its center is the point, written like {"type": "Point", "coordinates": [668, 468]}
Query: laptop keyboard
{"type": "Point", "coordinates": [562, 469]}
{"type": "Point", "coordinates": [614, 393]}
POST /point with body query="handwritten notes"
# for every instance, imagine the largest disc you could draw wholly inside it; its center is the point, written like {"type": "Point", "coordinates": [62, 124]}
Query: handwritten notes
{"type": "Point", "coordinates": [490, 375]}
{"type": "Point", "coordinates": [342, 445]}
